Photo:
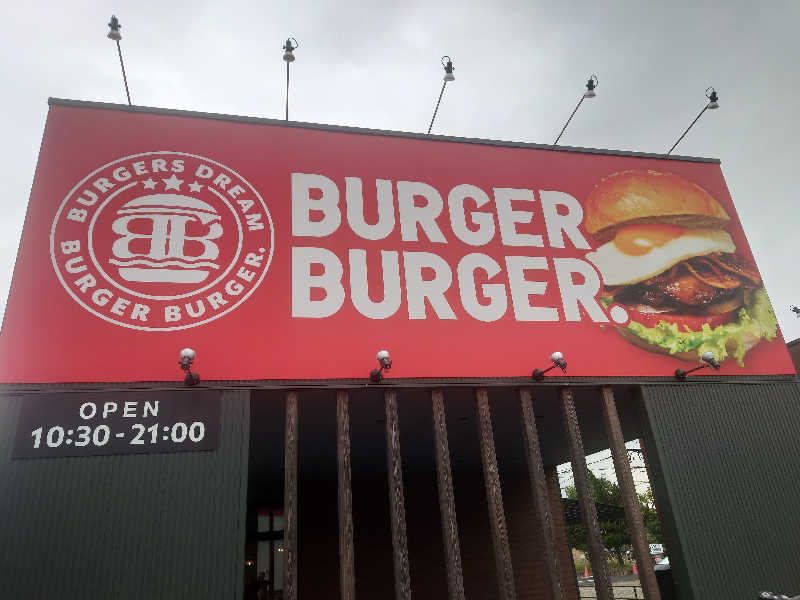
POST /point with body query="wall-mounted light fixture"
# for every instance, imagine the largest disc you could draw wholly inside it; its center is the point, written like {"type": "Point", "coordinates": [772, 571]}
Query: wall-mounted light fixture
{"type": "Point", "coordinates": [707, 358]}
{"type": "Point", "coordinates": [115, 35]}
{"type": "Point", "coordinates": [795, 310]}
{"type": "Point", "coordinates": [447, 63]}
{"type": "Point", "coordinates": [558, 361]}
{"type": "Point", "coordinates": [591, 85]}
{"type": "Point", "coordinates": [713, 102]}
{"type": "Point", "coordinates": [187, 358]}
{"type": "Point", "coordinates": [288, 55]}
{"type": "Point", "coordinates": [376, 375]}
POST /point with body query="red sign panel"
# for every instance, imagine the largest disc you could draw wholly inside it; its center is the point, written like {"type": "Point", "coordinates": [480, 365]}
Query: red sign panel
{"type": "Point", "coordinates": [294, 253]}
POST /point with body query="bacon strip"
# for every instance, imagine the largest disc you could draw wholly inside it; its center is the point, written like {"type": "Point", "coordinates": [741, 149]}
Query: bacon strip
{"type": "Point", "coordinates": [665, 276]}
{"type": "Point", "coordinates": [722, 271]}
{"type": "Point", "coordinates": [733, 264]}
{"type": "Point", "coordinates": [707, 271]}
{"type": "Point", "coordinates": [696, 282]}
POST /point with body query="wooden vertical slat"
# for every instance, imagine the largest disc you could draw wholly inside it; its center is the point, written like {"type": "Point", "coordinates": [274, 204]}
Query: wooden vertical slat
{"type": "Point", "coordinates": [630, 501]}
{"type": "Point", "coordinates": [447, 505]}
{"type": "Point", "coordinates": [494, 497]}
{"type": "Point", "coordinates": [290, 500]}
{"type": "Point", "coordinates": [347, 585]}
{"type": "Point", "coordinates": [580, 473]}
{"type": "Point", "coordinates": [402, 576]}
{"type": "Point", "coordinates": [569, 581]}
{"type": "Point", "coordinates": [541, 504]}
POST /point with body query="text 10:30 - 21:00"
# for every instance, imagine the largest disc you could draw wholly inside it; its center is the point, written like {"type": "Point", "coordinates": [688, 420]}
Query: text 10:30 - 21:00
{"type": "Point", "coordinates": [99, 436]}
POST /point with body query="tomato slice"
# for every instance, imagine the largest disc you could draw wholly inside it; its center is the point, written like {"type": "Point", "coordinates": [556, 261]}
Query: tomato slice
{"type": "Point", "coordinates": [693, 322]}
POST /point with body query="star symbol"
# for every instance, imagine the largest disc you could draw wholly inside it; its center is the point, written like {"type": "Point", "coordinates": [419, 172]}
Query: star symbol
{"type": "Point", "coordinates": [149, 184]}
{"type": "Point", "coordinates": [195, 187]}
{"type": "Point", "coordinates": [173, 183]}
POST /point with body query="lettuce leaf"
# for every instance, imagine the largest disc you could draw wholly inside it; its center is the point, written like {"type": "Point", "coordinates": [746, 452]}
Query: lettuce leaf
{"type": "Point", "coordinates": [756, 320]}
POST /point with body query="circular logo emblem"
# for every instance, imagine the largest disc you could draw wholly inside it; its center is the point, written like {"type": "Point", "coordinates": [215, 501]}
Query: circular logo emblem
{"type": "Point", "coordinates": [161, 241]}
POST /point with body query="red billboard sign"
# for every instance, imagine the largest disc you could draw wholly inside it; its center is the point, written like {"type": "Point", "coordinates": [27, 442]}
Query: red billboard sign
{"type": "Point", "coordinates": [281, 252]}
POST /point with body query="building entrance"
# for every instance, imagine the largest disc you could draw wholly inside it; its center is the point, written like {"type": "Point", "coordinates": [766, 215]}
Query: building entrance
{"type": "Point", "coordinates": [397, 491]}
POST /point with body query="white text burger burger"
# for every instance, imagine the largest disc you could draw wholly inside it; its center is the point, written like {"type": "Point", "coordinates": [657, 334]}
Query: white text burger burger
{"type": "Point", "coordinates": [664, 254]}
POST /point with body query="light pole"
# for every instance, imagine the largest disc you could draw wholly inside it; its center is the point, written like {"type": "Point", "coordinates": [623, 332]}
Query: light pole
{"type": "Point", "coordinates": [589, 93]}
{"type": "Point", "coordinates": [713, 103]}
{"type": "Point", "coordinates": [288, 56]}
{"type": "Point", "coordinates": [448, 76]}
{"type": "Point", "coordinates": [114, 34]}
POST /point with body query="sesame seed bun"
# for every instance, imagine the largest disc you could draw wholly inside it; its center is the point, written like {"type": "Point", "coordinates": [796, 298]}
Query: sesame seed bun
{"type": "Point", "coordinates": [638, 196]}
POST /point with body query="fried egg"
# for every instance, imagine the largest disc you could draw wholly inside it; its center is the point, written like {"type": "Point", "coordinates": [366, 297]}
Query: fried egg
{"type": "Point", "coordinates": [639, 252]}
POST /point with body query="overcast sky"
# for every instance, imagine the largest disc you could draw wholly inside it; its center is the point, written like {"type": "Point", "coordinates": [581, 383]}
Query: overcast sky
{"type": "Point", "coordinates": [520, 68]}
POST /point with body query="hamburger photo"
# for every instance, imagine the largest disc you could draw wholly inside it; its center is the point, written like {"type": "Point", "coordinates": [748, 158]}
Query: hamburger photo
{"type": "Point", "coordinates": [663, 253]}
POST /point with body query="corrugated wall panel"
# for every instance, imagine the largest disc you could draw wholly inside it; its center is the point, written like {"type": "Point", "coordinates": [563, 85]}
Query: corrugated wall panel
{"type": "Point", "coordinates": [136, 526]}
{"type": "Point", "coordinates": [728, 460]}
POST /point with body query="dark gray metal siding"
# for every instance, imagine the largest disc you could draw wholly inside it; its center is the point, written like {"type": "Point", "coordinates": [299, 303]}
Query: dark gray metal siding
{"type": "Point", "coordinates": [137, 526]}
{"type": "Point", "coordinates": [726, 461]}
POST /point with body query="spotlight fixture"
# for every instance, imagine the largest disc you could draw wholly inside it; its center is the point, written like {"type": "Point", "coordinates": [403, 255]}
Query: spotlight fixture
{"type": "Point", "coordinates": [589, 93]}
{"type": "Point", "coordinates": [713, 102]}
{"type": "Point", "coordinates": [376, 375]}
{"type": "Point", "coordinates": [113, 29]}
{"type": "Point", "coordinates": [448, 69]}
{"type": "Point", "coordinates": [713, 99]}
{"type": "Point", "coordinates": [187, 358]}
{"type": "Point", "coordinates": [558, 361]}
{"type": "Point", "coordinates": [795, 310]}
{"type": "Point", "coordinates": [115, 35]}
{"type": "Point", "coordinates": [288, 55]}
{"type": "Point", "coordinates": [707, 358]}
{"type": "Point", "coordinates": [289, 47]}
{"type": "Point", "coordinates": [590, 86]}
{"type": "Point", "coordinates": [447, 63]}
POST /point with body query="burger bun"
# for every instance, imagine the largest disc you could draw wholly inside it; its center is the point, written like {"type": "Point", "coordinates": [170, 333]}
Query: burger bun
{"type": "Point", "coordinates": [645, 196]}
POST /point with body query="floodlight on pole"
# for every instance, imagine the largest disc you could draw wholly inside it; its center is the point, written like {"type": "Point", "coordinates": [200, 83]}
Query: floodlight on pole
{"type": "Point", "coordinates": [590, 92]}
{"type": "Point", "coordinates": [713, 102]}
{"type": "Point", "coordinates": [115, 34]}
{"type": "Point", "coordinates": [288, 55]}
{"type": "Point", "coordinates": [448, 76]}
